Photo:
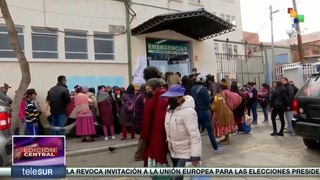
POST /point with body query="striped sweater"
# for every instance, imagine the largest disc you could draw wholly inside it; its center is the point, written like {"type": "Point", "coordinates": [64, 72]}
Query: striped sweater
{"type": "Point", "coordinates": [32, 113]}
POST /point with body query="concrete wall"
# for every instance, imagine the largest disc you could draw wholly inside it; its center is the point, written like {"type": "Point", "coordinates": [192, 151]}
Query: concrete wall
{"type": "Point", "coordinates": [74, 15]}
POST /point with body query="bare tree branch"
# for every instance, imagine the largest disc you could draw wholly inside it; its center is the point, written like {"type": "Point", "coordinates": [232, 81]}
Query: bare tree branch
{"type": "Point", "coordinates": [24, 65]}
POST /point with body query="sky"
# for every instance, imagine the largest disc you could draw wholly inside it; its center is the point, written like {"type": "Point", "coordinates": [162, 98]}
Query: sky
{"type": "Point", "coordinates": [255, 17]}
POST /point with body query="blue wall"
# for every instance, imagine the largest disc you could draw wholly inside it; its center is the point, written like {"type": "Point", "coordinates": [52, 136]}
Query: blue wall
{"type": "Point", "coordinates": [281, 59]}
{"type": "Point", "coordinates": [95, 81]}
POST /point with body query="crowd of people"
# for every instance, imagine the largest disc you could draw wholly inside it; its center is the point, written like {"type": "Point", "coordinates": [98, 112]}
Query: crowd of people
{"type": "Point", "coordinates": [168, 112]}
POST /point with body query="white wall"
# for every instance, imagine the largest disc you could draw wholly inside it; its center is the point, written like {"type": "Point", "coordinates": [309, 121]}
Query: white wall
{"type": "Point", "coordinates": [97, 15]}
{"type": "Point", "coordinates": [90, 16]}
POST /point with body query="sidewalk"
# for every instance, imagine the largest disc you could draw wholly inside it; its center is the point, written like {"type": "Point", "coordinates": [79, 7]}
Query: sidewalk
{"type": "Point", "coordinates": [76, 148]}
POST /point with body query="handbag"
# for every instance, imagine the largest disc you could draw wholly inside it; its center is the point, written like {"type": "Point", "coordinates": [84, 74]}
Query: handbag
{"type": "Point", "coordinates": [46, 109]}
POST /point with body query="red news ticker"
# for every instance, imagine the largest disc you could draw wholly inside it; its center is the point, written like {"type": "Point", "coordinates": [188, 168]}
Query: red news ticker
{"type": "Point", "coordinates": [39, 152]}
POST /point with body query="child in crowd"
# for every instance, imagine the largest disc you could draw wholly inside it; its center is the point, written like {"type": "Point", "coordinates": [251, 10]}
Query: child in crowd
{"type": "Point", "coordinates": [32, 113]}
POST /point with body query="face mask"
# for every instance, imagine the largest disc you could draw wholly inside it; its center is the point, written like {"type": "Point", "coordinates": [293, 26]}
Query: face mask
{"type": "Point", "coordinates": [173, 103]}
{"type": "Point", "coordinates": [149, 94]}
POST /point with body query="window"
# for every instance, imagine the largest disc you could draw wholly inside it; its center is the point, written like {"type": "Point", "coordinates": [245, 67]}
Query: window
{"type": "Point", "coordinates": [45, 43]}
{"type": "Point", "coordinates": [195, 1]}
{"type": "Point", "coordinates": [229, 49]}
{"type": "Point", "coordinates": [311, 88]}
{"type": "Point", "coordinates": [222, 16]}
{"type": "Point", "coordinates": [76, 45]}
{"type": "Point", "coordinates": [224, 48]}
{"type": "Point", "coordinates": [216, 47]}
{"type": "Point", "coordinates": [233, 20]}
{"type": "Point", "coordinates": [103, 46]}
{"type": "Point", "coordinates": [235, 49]}
{"type": "Point", "coordinates": [5, 49]}
{"type": "Point", "coordinates": [315, 51]}
{"type": "Point", "coordinates": [249, 50]}
{"type": "Point", "coordinates": [228, 18]}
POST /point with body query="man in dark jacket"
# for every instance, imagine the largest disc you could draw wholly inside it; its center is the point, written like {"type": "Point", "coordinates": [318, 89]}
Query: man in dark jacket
{"type": "Point", "coordinates": [202, 100]}
{"type": "Point", "coordinates": [290, 92]}
{"type": "Point", "coordinates": [253, 102]}
{"type": "Point", "coordinates": [58, 97]}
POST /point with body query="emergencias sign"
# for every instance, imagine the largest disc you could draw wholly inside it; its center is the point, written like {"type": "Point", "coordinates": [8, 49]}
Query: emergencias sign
{"type": "Point", "coordinates": [167, 50]}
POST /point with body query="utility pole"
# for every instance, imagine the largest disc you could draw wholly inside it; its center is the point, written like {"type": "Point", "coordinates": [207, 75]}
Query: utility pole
{"type": "Point", "coordinates": [301, 56]}
{"type": "Point", "coordinates": [129, 40]}
{"type": "Point", "coordinates": [272, 43]}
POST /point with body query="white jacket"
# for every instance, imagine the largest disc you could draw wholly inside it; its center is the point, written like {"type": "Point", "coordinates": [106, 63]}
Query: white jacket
{"type": "Point", "coordinates": [183, 136]}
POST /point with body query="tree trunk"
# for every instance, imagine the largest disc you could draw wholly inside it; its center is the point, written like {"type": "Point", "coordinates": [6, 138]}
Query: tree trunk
{"type": "Point", "coordinates": [24, 65]}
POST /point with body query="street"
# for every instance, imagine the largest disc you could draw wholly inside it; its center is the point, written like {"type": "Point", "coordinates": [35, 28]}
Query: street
{"type": "Point", "coordinates": [246, 150]}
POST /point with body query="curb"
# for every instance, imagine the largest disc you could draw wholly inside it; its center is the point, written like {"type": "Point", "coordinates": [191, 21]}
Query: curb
{"type": "Point", "coordinates": [86, 151]}
{"type": "Point", "coordinates": [74, 153]}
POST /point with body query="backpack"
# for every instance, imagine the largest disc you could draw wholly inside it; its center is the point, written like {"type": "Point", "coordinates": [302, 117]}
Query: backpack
{"type": "Point", "coordinates": [129, 106]}
{"type": "Point", "coordinates": [233, 99]}
{"type": "Point", "coordinates": [246, 124]}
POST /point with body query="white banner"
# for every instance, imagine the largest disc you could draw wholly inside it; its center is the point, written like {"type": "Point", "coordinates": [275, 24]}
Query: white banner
{"type": "Point", "coordinates": [138, 74]}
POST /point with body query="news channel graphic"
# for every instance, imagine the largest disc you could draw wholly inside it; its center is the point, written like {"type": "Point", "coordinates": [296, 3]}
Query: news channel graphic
{"type": "Point", "coordinates": [201, 173]}
{"type": "Point", "coordinates": [38, 157]}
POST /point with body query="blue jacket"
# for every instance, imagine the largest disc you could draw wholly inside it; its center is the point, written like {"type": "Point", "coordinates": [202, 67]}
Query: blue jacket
{"type": "Point", "coordinates": [202, 98]}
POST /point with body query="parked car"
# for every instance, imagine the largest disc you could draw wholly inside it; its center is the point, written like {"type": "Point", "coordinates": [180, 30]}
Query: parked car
{"type": "Point", "coordinates": [306, 107]}
{"type": "Point", "coordinates": [5, 135]}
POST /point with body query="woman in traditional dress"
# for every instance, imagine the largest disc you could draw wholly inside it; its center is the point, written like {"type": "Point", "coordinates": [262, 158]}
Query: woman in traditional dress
{"type": "Point", "coordinates": [84, 117]}
{"type": "Point", "coordinates": [105, 112]}
{"type": "Point", "coordinates": [126, 113]}
{"type": "Point", "coordinates": [223, 120]}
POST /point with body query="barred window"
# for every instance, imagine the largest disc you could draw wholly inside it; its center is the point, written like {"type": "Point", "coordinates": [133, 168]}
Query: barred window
{"type": "Point", "coordinates": [195, 1]}
{"type": "Point", "coordinates": [45, 43]}
{"type": "Point", "coordinates": [5, 49]}
{"type": "Point", "coordinates": [76, 44]}
{"type": "Point", "coordinates": [103, 46]}
{"type": "Point", "coordinates": [216, 47]}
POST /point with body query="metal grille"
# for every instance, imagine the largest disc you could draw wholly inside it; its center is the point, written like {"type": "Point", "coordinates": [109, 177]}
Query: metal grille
{"type": "Point", "coordinates": [241, 68]}
{"type": "Point", "coordinates": [308, 70]}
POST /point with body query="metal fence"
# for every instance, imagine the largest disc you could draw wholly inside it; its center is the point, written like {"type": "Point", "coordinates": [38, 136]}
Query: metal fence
{"type": "Point", "coordinates": [241, 68]}
{"type": "Point", "coordinates": [308, 70]}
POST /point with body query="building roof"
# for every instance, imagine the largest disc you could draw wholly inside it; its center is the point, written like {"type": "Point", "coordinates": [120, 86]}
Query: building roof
{"type": "Point", "coordinates": [198, 24]}
{"type": "Point", "coordinates": [306, 38]}
{"type": "Point", "coordinates": [250, 37]}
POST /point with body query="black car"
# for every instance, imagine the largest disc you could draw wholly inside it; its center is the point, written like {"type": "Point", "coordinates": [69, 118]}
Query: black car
{"type": "Point", "coordinates": [306, 109]}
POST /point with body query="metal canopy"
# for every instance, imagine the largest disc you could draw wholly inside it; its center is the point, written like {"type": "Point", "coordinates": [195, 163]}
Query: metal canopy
{"type": "Point", "coordinates": [198, 24]}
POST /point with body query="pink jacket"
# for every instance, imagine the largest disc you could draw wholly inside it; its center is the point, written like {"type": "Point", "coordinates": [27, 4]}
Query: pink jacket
{"type": "Point", "coordinates": [81, 102]}
{"type": "Point", "coordinates": [22, 109]}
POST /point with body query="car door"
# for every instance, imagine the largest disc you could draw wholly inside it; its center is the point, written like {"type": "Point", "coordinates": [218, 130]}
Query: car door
{"type": "Point", "coordinates": [308, 99]}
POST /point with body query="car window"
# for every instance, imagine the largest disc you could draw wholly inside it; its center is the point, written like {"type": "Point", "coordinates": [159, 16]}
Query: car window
{"type": "Point", "coordinates": [312, 87]}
